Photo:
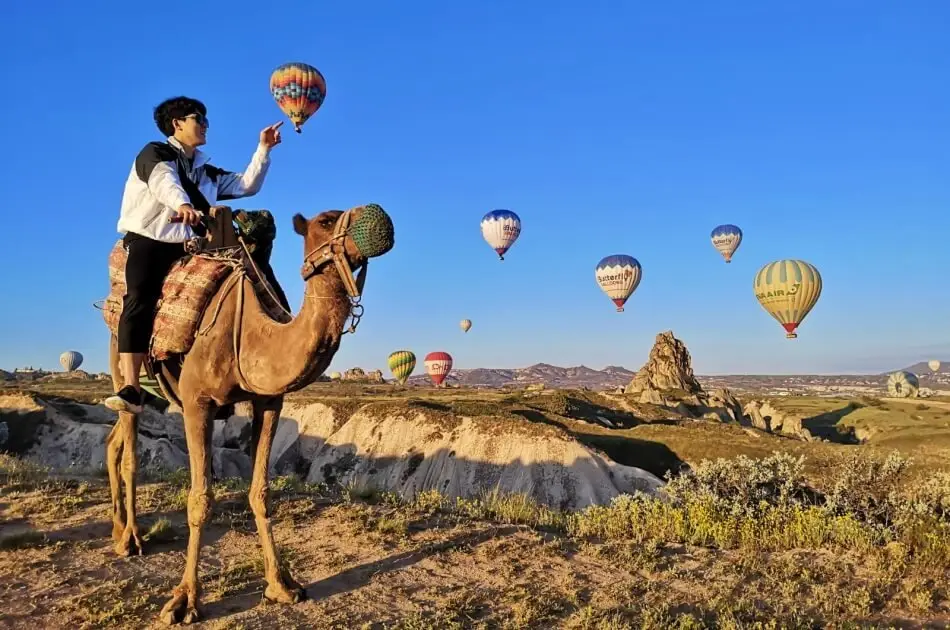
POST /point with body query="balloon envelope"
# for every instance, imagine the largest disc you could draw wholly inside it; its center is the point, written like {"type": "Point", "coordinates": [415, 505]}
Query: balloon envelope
{"type": "Point", "coordinates": [726, 239]}
{"type": "Point", "coordinates": [788, 290]}
{"type": "Point", "coordinates": [465, 324]}
{"type": "Point", "coordinates": [501, 228]}
{"type": "Point", "coordinates": [299, 90]}
{"type": "Point", "coordinates": [335, 376]}
{"type": "Point", "coordinates": [438, 366]}
{"type": "Point", "coordinates": [70, 360]}
{"type": "Point", "coordinates": [933, 364]}
{"type": "Point", "coordinates": [401, 364]}
{"type": "Point", "coordinates": [618, 276]}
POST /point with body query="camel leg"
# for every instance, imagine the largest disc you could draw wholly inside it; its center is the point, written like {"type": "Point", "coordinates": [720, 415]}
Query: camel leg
{"type": "Point", "coordinates": [183, 604]}
{"type": "Point", "coordinates": [281, 587]}
{"type": "Point", "coordinates": [128, 427]}
{"type": "Point", "coordinates": [113, 456]}
{"type": "Point", "coordinates": [114, 449]}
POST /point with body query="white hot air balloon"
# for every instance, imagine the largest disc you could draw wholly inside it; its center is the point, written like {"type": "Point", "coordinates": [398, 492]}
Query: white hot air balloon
{"type": "Point", "coordinates": [618, 276]}
{"type": "Point", "coordinates": [70, 360]}
{"type": "Point", "coordinates": [501, 228]}
{"type": "Point", "coordinates": [934, 365]}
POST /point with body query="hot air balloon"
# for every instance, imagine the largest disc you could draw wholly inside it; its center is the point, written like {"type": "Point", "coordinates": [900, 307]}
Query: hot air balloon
{"type": "Point", "coordinates": [902, 384]}
{"type": "Point", "coordinates": [401, 364]}
{"type": "Point", "coordinates": [934, 365]}
{"type": "Point", "coordinates": [335, 376]}
{"type": "Point", "coordinates": [726, 239]}
{"type": "Point", "coordinates": [465, 324]}
{"type": "Point", "coordinates": [619, 276]}
{"type": "Point", "coordinates": [438, 366]}
{"type": "Point", "coordinates": [501, 228]}
{"type": "Point", "coordinates": [788, 290]}
{"type": "Point", "coordinates": [299, 90]}
{"type": "Point", "coordinates": [70, 360]}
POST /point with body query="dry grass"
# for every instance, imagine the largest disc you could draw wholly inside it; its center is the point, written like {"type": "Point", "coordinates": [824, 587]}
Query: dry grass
{"type": "Point", "coordinates": [735, 543]}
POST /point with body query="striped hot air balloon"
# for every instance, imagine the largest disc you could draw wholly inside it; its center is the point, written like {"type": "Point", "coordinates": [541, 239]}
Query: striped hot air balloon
{"type": "Point", "coordinates": [299, 90]}
{"type": "Point", "coordinates": [438, 366]}
{"type": "Point", "coordinates": [501, 228]}
{"type": "Point", "coordinates": [726, 239]}
{"type": "Point", "coordinates": [788, 290]}
{"type": "Point", "coordinates": [401, 364]}
{"type": "Point", "coordinates": [618, 276]}
{"type": "Point", "coordinates": [465, 324]}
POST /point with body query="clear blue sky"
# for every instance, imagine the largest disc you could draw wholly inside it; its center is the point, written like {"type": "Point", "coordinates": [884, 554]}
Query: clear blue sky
{"type": "Point", "coordinates": [819, 127]}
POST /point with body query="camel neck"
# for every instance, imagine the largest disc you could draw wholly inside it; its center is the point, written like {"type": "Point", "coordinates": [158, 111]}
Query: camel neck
{"type": "Point", "coordinates": [296, 353]}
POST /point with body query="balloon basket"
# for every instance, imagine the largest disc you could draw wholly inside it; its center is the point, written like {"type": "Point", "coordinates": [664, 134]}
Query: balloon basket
{"type": "Point", "coordinates": [791, 336]}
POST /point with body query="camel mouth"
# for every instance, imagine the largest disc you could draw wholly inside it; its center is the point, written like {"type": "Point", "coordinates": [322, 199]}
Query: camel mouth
{"type": "Point", "coordinates": [373, 232]}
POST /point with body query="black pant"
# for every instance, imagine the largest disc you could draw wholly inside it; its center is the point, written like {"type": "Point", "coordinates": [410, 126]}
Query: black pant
{"type": "Point", "coordinates": [148, 264]}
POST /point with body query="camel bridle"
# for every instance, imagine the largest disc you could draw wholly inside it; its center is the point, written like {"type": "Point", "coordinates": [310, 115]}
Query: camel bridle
{"type": "Point", "coordinates": [334, 249]}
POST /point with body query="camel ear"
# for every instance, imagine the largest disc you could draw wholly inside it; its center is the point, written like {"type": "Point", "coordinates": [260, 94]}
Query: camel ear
{"type": "Point", "coordinates": [300, 224]}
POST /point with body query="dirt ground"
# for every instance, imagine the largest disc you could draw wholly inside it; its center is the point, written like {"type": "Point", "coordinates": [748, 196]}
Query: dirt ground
{"type": "Point", "coordinates": [370, 563]}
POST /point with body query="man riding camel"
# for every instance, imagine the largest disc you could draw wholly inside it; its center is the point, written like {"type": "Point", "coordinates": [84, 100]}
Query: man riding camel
{"type": "Point", "coordinates": [170, 179]}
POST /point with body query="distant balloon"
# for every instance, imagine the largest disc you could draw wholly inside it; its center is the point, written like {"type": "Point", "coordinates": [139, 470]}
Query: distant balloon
{"type": "Point", "coordinates": [726, 239]}
{"type": "Point", "coordinates": [618, 276]}
{"type": "Point", "coordinates": [438, 366]}
{"type": "Point", "coordinates": [933, 364]}
{"type": "Point", "coordinates": [788, 290]}
{"type": "Point", "coordinates": [70, 360]}
{"type": "Point", "coordinates": [335, 376]}
{"type": "Point", "coordinates": [902, 384]}
{"type": "Point", "coordinates": [401, 364]}
{"type": "Point", "coordinates": [299, 90]}
{"type": "Point", "coordinates": [465, 324]}
{"type": "Point", "coordinates": [501, 228]}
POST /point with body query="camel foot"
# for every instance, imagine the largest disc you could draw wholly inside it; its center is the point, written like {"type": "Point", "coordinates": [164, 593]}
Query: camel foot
{"type": "Point", "coordinates": [181, 608]}
{"type": "Point", "coordinates": [117, 530]}
{"type": "Point", "coordinates": [129, 543]}
{"type": "Point", "coordinates": [284, 591]}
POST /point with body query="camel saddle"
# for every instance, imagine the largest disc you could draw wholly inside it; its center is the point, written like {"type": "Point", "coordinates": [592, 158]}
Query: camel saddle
{"type": "Point", "coordinates": [196, 277]}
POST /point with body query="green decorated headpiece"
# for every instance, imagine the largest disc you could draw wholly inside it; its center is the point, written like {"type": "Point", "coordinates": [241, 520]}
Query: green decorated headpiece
{"type": "Point", "coordinates": [373, 232]}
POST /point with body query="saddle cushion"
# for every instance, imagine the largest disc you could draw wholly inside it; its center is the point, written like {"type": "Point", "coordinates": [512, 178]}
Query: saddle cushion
{"type": "Point", "coordinates": [187, 291]}
{"type": "Point", "coordinates": [189, 286]}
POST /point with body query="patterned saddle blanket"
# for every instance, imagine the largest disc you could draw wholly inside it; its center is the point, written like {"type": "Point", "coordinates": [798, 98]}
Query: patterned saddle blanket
{"type": "Point", "coordinates": [188, 289]}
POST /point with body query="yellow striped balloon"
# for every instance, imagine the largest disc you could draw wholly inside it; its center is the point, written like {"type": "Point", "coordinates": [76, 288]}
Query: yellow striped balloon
{"type": "Point", "coordinates": [788, 290]}
{"type": "Point", "coordinates": [401, 364]}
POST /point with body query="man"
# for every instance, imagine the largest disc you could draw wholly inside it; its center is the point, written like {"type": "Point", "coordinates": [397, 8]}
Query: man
{"type": "Point", "coordinates": [171, 179]}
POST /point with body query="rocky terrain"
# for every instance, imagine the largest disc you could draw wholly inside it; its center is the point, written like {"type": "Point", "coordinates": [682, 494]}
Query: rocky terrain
{"type": "Point", "coordinates": [660, 502]}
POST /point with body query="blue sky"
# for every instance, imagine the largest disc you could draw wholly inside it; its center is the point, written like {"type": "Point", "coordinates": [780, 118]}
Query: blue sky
{"type": "Point", "coordinates": [818, 127]}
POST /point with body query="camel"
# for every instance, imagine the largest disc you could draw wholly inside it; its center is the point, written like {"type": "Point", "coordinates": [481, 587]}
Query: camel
{"type": "Point", "coordinates": [243, 355]}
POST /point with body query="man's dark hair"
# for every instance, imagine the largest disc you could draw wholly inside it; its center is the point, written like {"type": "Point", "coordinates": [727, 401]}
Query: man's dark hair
{"type": "Point", "coordinates": [176, 107]}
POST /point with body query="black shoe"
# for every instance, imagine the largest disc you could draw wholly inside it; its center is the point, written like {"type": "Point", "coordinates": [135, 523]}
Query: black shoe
{"type": "Point", "coordinates": [127, 399]}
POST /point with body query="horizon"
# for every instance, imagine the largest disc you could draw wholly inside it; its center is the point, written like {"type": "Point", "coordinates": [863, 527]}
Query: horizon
{"type": "Point", "coordinates": [818, 130]}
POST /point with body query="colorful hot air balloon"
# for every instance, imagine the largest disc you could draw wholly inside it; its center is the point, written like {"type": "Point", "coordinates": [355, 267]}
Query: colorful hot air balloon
{"type": "Point", "coordinates": [70, 360]}
{"type": "Point", "coordinates": [299, 90]}
{"type": "Point", "coordinates": [465, 324]}
{"type": "Point", "coordinates": [438, 366]}
{"type": "Point", "coordinates": [726, 239]}
{"type": "Point", "coordinates": [788, 290]}
{"type": "Point", "coordinates": [501, 229]}
{"type": "Point", "coordinates": [401, 364]}
{"type": "Point", "coordinates": [934, 365]}
{"type": "Point", "coordinates": [619, 276]}
{"type": "Point", "coordinates": [902, 384]}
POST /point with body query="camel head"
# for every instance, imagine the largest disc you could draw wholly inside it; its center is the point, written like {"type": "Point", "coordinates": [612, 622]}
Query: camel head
{"type": "Point", "coordinates": [347, 239]}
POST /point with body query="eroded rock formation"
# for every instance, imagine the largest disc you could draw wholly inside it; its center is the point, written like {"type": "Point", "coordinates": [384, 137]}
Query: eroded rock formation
{"type": "Point", "coordinates": [667, 379]}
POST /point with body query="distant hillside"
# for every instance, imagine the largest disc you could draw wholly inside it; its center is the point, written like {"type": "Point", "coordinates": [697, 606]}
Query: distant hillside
{"type": "Point", "coordinates": [550, 375]}
{"type": "Point", "coordinates": [923, 368]}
